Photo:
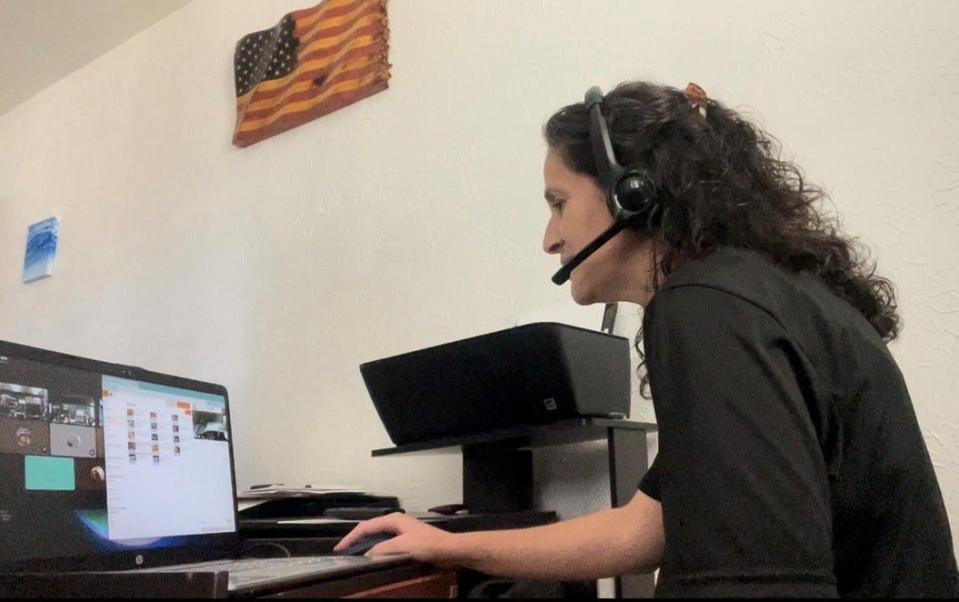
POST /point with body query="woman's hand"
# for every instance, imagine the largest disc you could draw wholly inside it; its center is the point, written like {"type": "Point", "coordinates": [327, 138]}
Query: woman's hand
{"type": "Point", "coordinates": [421, 541]}
{"type": "Point", "coordinates": [618, 541]}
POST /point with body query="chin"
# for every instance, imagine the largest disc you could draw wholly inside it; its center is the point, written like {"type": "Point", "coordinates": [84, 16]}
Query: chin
{"type": "Point", "coordinates": [582, 295]}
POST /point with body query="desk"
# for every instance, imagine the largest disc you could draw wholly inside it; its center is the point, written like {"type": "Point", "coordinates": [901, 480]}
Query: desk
{"type": "Point", "coordinates": [405, 579]}
{"type": "Point", "coordinates": [409, 579]}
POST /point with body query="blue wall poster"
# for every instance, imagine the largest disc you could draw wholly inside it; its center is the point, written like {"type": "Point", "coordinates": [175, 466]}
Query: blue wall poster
{"type": "Point", "coordinates": [41, 249]}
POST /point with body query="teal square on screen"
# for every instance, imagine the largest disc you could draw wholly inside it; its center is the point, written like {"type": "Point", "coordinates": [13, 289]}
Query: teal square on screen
{"type": "Point", "coordinates": [49, 474]}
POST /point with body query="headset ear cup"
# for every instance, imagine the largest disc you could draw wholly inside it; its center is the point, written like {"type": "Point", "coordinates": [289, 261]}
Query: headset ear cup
{"type": "Point", "coordinates": [634, 192]}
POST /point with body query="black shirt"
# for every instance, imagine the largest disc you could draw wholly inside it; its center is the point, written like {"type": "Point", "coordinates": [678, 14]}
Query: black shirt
{"type": "Point", "coordinates": [790, 459]}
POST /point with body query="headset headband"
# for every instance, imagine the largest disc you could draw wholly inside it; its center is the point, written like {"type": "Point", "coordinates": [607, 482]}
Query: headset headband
{"type": "Point", "coordinates": [609, 170]}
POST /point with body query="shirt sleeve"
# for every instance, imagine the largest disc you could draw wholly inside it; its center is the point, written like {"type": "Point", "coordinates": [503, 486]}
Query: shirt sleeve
{"type": "Point", "coordinates": [741, 476]}
{"type": "Point", "coordinates": [650, 482]}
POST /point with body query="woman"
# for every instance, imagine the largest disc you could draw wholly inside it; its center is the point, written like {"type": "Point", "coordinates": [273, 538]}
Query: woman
{"type": "Point", "coordinates": [790, 460]}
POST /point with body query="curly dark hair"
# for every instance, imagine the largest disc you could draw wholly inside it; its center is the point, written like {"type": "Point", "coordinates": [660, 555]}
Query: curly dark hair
{"type": "Point", "coordinates": [722, 183]}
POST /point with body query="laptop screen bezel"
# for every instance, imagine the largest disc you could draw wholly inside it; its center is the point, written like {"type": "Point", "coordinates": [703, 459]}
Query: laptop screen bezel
{"type": "Point", "coordinates": [213, 546]}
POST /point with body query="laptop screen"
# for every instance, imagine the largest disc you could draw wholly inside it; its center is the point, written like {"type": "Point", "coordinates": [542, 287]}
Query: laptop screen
{"type": "Point", "coordinates": [101, 461]}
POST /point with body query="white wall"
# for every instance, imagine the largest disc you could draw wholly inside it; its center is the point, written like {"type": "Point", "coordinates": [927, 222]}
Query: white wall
{"type": "Point", "coordinates": [415, 217]}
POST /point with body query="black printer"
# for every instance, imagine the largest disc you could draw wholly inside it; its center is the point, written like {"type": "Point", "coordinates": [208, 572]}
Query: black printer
{"type": "Point", "coordinates": [532, 374]}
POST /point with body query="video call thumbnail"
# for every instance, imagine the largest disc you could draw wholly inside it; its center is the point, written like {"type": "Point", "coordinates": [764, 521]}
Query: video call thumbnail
{"type": "Point", "coordinates": [91, 475]}
{"type": "Point", "coordinates": [75, 441]}
{"type": "Point", "coordinates": [24, 403]}
{"type": "Point", "coordinates": [80, 410]}
{"type": "Point", "coordinates": [26, 437]}
{"type": "Point", "coordinates": [34, 403]}
{"type": "Point", "coordinates": [46, 473]}
{"type": "Point", "coordinates": [209, 425]}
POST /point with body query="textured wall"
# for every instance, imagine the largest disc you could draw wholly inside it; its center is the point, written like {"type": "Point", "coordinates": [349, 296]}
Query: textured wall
{"type": "Point", "coordinates": [415, 217]}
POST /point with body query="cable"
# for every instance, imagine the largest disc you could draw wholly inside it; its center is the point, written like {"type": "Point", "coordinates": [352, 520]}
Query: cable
{"type": "Point", "coordinates": [283, 548]}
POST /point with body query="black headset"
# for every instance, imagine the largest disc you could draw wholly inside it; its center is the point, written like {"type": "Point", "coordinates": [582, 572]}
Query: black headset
{"type": "Point", "coordinates": [630, 193]}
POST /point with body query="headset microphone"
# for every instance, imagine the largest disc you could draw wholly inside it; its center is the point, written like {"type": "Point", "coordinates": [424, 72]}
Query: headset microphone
{"type": "Point", "coordinates": [561, 276]}
{"type": "Point", "coordinates": [630, 194]}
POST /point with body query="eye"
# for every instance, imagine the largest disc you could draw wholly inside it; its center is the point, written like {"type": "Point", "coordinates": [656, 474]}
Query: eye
{"type": "Point", "coordinates": [557, 206]}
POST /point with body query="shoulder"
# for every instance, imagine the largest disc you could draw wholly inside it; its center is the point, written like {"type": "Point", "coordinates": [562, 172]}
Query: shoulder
{"type": "Point", "coordinates": [734, 292]}
{"type": "Point", "coordinates": [729, 284]}
{"type": "Point", "coordinates": [741, 272]}
{"type": "Point", "coordinates": [800, 302]}
{"type": "Point", "coordinates": [701, 320]}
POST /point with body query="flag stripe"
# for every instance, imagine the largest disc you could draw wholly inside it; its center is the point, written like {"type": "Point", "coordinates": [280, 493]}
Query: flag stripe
{"type": "Point", "coordinates": [374, 26]}
{"type": "Point", "coordinates": [354, 72]}
{"type": "Point", "coordinates": [366, 37]}
{"type": "Point", "coordinates": [362, 47]}
{"type": "Point", "coordinates": [258, 118]}
{"type": "Point", "coordinates": [311, 15]}
{"type": "Point", "coordinates": [305, 82]}
{"type": "Point", "coordinates": [334, 7]}
{"type": "Point", "coordinates": [351, 84]}
{"type": "Point", "coordinates": [374, 51]}
{"type": "Point", "coordinates": [377, 48]}
{"type": "Point", "coordinates": [346, 15]}
{"type": "Point", "coordinates": [291, 121]}
{"type": "Point", "coordinates": [305, 13]}
{"type": "Point", "coordinates": [334, 28]}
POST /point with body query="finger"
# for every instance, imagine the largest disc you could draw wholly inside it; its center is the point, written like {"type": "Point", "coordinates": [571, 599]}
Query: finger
{"type": "Point", "coordinates": [382, 524]}
{"type": "Point", "coordinates": [360, 531]}
{"type": "Point", "coordinates": [388, 548]}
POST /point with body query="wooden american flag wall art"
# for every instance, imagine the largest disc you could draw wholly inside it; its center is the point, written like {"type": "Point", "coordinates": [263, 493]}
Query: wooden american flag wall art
{"type": "Point", "coordinates": [313, 62]}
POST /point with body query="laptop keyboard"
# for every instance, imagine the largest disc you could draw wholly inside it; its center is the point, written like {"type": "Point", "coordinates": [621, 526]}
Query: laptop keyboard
{"type": "Point", "coordinates": [248, 571]}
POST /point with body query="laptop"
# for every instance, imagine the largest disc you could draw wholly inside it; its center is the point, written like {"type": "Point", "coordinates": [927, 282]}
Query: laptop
{"type": "Point", "coordinates": [105, 467]}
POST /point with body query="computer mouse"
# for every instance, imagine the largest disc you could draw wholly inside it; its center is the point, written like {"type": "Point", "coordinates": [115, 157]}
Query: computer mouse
{"type": "Point", "coordinates": [365, 544]}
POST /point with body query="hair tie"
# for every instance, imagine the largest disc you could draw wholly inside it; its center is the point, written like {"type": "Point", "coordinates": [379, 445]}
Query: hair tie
{"type": "Point", "coordinates": [696, 97]}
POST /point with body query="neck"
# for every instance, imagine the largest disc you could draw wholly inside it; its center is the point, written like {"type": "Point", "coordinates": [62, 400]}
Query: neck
{"type": "Point", "coordinates": [641, 268]}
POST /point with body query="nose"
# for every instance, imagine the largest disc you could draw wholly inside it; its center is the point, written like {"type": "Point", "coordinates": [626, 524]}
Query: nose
{"type": "Point", "coordinates": [552, 241]}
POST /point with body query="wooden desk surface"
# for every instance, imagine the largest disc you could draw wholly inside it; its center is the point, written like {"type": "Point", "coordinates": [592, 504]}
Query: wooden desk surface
{"type": "Point", "coordinates": [404, 579]}
{"type": "Point", "coordinates": [411, 580]}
